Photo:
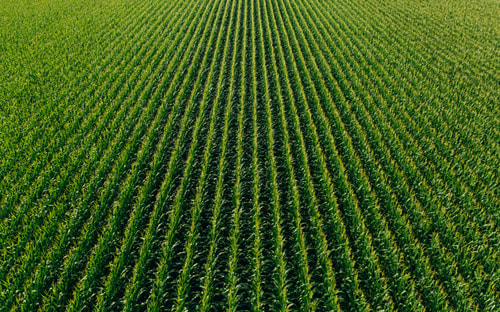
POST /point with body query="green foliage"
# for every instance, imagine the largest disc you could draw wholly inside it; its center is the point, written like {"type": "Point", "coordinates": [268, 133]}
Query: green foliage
{"type": "Point", "coordinates": [249, 155]}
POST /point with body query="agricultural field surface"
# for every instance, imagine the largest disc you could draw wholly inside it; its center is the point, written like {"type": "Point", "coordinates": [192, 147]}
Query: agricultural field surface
{"type": "Point", "coordinates": [250, 155]}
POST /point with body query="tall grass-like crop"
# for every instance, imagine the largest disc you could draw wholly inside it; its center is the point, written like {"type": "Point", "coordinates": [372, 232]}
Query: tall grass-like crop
{"type": "Point", "coordinates": [256, 155]}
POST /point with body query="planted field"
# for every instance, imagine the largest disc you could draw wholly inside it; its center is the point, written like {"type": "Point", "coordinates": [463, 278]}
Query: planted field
{"type": "Point", "coordinates": [264, 155]}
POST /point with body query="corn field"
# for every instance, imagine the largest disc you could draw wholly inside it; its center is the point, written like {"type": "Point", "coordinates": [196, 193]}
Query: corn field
{"type": "Point", "coordinates": [253, 155]}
